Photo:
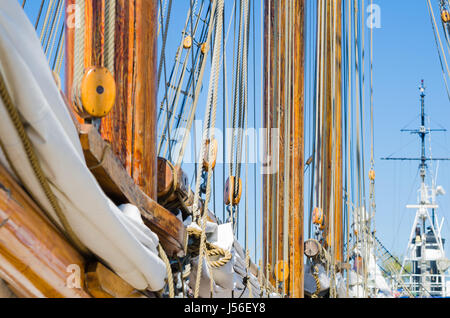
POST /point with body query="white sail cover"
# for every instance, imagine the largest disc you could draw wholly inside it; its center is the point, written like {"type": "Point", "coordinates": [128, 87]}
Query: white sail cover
{"type": "Point", "coordinates": [121, 241]}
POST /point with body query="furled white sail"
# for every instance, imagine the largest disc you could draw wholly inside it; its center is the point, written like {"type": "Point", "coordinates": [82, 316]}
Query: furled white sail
{"type": "Point", "coordinates": [127, 246]}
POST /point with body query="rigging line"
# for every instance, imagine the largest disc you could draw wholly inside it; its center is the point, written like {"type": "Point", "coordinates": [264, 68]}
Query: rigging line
{"type": "Point", "coordinates": [178, 56]}
{"type": "Point", "coordinates": [59, 51]}
{"type": "Point", "coordinates": [170, 115]}
{"type": "Point", "coordinates": [254, 126]}
{"type": "Point", "coordinates": [47, 16]}
{"type": "Point", "coordinates": [165, 32]}
{"type": "Point", "coordinates": [224, 118]}
{"type": "Point", "coordinates": [54, 33]}
{"type": "Point", "coordinates": [161, 9]}
{"type": "Point", "coordinates": [56, 17]}
{"type": "Point", "coordinates": [168, 125]}
{"type": "Point", "coordinates": [313, 106]}
{"type": "Point", "coordinates": [198, 87]}
{"type": "Point", "coordinates": [436, 38]}
{"type": "Point", "coordinates": [186, 106]}
{"type": "Point", "coordinates": [38, 19]}
{"type": "Point", "coordinates": [265, 52]}
{"type": "Point", "coordinates": [110, 33]}
{"type": "Point", "coordinates": [210, 122]}
{"type": "Point", "coordinates": [79, 53]}
{"type": "Point", "coordinates": [237, 93]}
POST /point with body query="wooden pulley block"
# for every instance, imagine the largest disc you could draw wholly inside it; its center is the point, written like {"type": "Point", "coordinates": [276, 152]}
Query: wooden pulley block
{"type": "Point", "coordinates": [173, 185]}
{"type": "Point", "coordinates": [213, 146]}
{"type": "Point", "coordinates": [445, 16]}
{"type": "Point", "coordinates": [204, 48]}
{"type": "Point", "coordinates": [96, 93]}
{"type": "Point", "coordinates": [372, 175]}
{"type": "Point", "coordinates": [312, 248]}
{"type": "Point", "coordinates": [229, 193]}
{"type": "Point", "coordinates": [166, 177]}
{"type": "Point", "coordinates": [187, 42]}
{"type": "Point", "coordinates": [317, 216]}
{"type": "Point", "coordinates": [282, 271]}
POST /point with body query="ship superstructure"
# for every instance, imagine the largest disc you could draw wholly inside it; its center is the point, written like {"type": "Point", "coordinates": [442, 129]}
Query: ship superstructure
{"type": "Point", "coordinates": [424, 267]}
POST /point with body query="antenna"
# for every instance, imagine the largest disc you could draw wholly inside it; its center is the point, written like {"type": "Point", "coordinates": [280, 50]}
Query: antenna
{"type": "Point", "coordinates": [422, 132]}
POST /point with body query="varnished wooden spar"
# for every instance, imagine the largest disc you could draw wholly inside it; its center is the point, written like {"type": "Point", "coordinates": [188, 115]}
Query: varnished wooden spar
{"type": "Point", "coordinates": [131, 126]}
{"type": "Point", "coordinates": [338, 214]}
{"type": "Point", "coordinates": [297, 156]}
{"type": "Point", "coordinates": [332, 164]}
{"type": "Point", "coordinates": [283, 150]}
{"type": "Point", "coordinates": [35, 259]}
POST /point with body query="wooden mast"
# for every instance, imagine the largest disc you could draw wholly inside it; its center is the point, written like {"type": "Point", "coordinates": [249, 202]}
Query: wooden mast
{"type": "Point", "coordinates": [283, 151]}
{"type": "Point", "coordinates": [338, 212]}
{"type": "Point", "coordinates": [332, 131]}
{"type": "Point", "coordinates": [131, 125]}
{"type": "Point", "coordinates": [297, 154]}
{"type": "Point", "coordinates": [130, 128]}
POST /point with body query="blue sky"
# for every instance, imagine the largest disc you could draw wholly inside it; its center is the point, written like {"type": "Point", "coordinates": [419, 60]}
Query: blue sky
{"type": "Point", "coordinates": [404, 53]}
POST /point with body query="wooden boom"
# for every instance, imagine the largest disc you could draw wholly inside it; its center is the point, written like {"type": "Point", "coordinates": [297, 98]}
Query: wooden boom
{"type": "Point", "coordinates": [35, 259]}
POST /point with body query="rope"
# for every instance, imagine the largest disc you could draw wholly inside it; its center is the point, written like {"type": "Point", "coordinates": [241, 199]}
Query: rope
{"type": "Point", "coordinates": [37, 169]}
{"type": "Point", "coordinates": [79, 45]}
{"type": "Point", "coordinates": [110, 31]}
{"type": "Point", "coordinates": [247, 264]}
{"type": "Point", "coordinates": [166, 261]}
{"type": "Point", "coordinates": [208, 133]}
{"type": "Point", "coordinates": [165, 31]}
{"type": "Point", "coordinates": [436, 38]}
{"type": "Point", "coordinates": [46, 19]}
{"type": "Point", "coordinates": [211, 249]}
{"type": "Point", "coordinates": [315, 274]}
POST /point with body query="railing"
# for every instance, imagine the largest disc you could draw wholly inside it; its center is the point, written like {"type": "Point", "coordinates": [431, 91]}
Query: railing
{"type": "Point", "coordinates": [426, 285]}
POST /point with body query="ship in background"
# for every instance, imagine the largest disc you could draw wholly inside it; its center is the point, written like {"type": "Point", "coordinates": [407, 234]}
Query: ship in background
{"type": "Point", "coordinates": [424, 270]}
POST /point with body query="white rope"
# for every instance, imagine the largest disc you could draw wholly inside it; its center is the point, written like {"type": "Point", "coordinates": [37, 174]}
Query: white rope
{"type": "Point", "coordinates": [208, 134]}
{"type": "Point", "coordinates": [79, 42]}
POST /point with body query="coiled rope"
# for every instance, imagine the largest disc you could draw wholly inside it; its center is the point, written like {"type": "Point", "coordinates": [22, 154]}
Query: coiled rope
{"type": "Point", "coordinates": [212, 250]}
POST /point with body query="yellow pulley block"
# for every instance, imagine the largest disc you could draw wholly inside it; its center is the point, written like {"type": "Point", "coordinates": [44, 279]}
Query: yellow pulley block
{"type": "Point", "coordinates": [317, 216]}
{"type": "Point", "coordinates": [204, 48]}
{"type": "Point", "coordinates": [445, 16]}
{"type": "Point", "coordinates": [98, 92]}
{"type": "Point", "coordinates": [282, 271]}
{"type": "Point", "coordinates": [229, 193]}
{"type": "Point", "coordinates": [187, 42]}
{"type": "Point", "coordinates": [372, 175]}
{"type": "Point", "coordinates": [213, 147]}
